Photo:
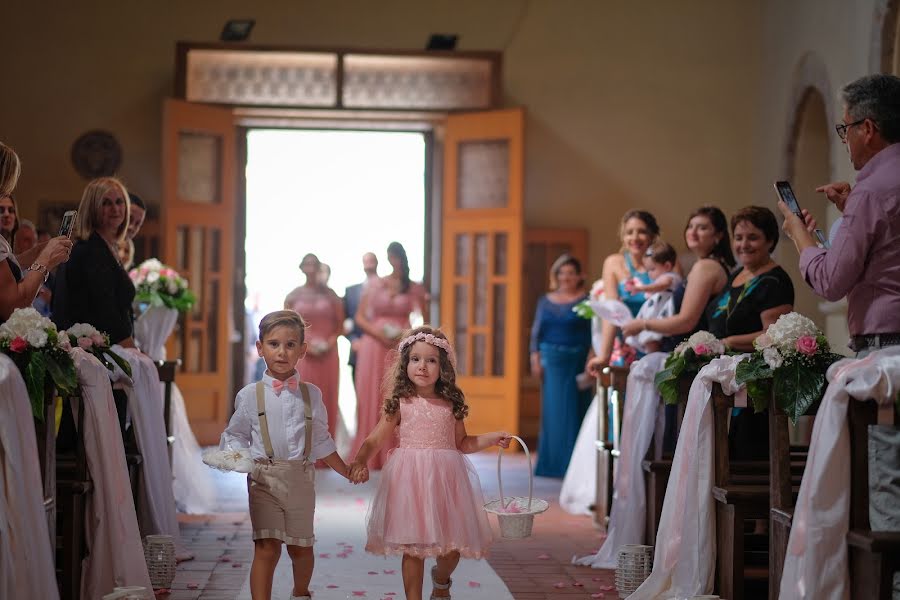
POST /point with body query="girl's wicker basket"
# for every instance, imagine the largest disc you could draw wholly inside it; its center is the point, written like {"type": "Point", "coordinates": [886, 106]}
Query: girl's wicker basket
{"type": "Point", "coordinates": [159, 552]}
{"type": "Point", "coordinates": [516, 514]}
{"type": "Point", "coordinates": [633, 566]}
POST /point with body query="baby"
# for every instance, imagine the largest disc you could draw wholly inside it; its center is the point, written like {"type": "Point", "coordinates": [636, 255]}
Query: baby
{"type": "Point", "coordinates": [660, 264]}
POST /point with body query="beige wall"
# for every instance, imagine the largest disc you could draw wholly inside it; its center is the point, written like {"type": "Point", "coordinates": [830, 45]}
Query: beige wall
{"type": "Point", "coordinates": [629, 104]}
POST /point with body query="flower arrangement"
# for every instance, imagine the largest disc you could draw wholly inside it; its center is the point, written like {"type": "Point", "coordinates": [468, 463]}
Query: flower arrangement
{"type": "Point", "coordinates": [392, 331]}
{"type": "Point", "coordinates": [93, 341]}
{"type": "Point", "coordinates": [159, 285]}
{"type": "Point", "coordinates": [790, 359]}
{"type": "Point", "coordinates": [584, 309]}
{"type": "Point", "coordinates": [687, 359]}
{"type": "Point", "coordinates": [40, 353]}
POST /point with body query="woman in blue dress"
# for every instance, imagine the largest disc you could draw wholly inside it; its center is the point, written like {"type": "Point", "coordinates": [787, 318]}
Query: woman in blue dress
{"type": "Point", "coordinates": [560, 341]}
{"type": "Point", "coordinates": [638, 231]}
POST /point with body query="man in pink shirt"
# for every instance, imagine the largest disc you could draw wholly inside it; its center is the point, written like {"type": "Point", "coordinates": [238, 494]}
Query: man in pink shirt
{"type": "Point", "coordinates": [863, 262]}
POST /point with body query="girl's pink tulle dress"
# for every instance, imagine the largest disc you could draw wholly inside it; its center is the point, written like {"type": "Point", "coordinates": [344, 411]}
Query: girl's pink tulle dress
{"type": "Point", "coordinates": [429, 500]}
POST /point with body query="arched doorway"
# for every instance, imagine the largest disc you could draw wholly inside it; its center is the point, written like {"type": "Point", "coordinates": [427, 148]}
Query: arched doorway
{"type": "Point", "coordinates": [809, 166]}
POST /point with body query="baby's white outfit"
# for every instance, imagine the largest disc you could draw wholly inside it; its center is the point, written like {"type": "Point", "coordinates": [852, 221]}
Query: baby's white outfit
{"type": "Point", "coordinates": [658, 306]}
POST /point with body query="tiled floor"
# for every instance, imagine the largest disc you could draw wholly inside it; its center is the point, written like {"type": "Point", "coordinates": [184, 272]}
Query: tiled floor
{"type": "Point", "coordinates": [536, 568]}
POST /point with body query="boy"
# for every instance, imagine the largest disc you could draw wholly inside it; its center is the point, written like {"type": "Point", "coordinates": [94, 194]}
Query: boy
{"type": "Point", "coordinates": [285, 425]}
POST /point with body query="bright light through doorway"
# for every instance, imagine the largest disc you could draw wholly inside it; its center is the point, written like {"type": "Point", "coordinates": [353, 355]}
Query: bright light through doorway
{"type": "Point", "coordinates": [337, 194]}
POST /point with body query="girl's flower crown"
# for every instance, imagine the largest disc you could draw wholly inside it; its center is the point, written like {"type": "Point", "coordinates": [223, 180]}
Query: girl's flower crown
{"type": "Point", "coordinates": [430, 338]}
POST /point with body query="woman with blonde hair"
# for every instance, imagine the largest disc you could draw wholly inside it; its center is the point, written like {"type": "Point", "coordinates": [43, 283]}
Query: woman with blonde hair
{"type": "Point", "coordinates": [93, 287]}
{"type": "Point", "coordinates": [18, 287]}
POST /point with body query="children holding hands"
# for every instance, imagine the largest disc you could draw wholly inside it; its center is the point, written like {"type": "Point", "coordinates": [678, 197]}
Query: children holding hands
{"type": "Point", "coordinates": [284, 423]}
{"type": "Point", "coordinates": [429, 502]}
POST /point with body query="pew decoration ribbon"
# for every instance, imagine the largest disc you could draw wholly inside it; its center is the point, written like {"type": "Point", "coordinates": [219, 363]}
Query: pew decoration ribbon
{"type": "Point", "coordinates": [157, 284]}
{"type": "Point", "coordinates": [687, 359]}
{"type": "Point", "coordinates": [41, 354]}
{"type": "Point", "coordinates": [790, 360]}
{"type": "Point", "coordinates": [93, 341]}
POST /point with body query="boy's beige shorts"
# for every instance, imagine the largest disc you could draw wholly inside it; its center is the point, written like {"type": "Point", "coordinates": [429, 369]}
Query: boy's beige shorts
{"type": "Point", "coordinates": [283, 501]}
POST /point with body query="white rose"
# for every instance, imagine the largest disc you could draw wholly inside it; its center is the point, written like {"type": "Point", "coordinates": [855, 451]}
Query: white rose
{"type": "Point", "coordinates": [80, 330]}
{"type": "Point", "coordinates": [172, 286]}
{"type": "Point", "coordinates": [680, 348]}
{"type": "Point", "coordinates": [152, 264]}
{"type": "Point", "coordinates": [152, 277]}
{"type": "Point", "coordinates": [37, 338]}
{"type": "Point", "coordinates": [785, 332]}
{"type": "Point", "coordinates": [772, 357]}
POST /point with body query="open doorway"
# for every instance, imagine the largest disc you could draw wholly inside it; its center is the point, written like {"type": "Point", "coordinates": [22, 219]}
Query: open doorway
{"type": "Point", "coordinates": [336, 194]}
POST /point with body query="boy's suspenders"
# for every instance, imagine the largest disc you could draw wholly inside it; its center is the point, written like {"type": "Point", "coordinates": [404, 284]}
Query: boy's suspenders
{"type": "Point", "coordinates": [264, 422]}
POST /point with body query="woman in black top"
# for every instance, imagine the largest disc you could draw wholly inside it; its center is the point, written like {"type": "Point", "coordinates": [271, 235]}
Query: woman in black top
{"type": "Point", "coordinates": [756, 295]}
{"type": "Point", "coordinates": [93, 287]}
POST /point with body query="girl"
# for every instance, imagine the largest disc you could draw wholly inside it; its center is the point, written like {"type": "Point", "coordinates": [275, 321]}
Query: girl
{"type": "Point", "coordinates": [429, 501]}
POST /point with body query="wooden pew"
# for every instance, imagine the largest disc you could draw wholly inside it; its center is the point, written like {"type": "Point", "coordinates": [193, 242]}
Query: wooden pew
{"type": "Point", "coordinates": [603, 448]}
{"type": "Point", "coordinates": [618, 378]}
{"type": "Point", "coordinates": [874, 556]}
{"type": "Point", "coordinates": [45, 433]}
{"type": "Point", "coordinates": [74, 484]}
{"type": "Point", "coordinates": [167, 370]}
{"type": "Point", "coordinates": [658, 465]}
{"type": "Point", "coordinates": [741, 492]}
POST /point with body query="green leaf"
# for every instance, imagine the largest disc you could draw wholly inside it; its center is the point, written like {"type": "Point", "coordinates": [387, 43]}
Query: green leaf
{"type": "Point", "coordinates": [797, 388]}
{"type": "Point", "coordinates": [123, 364]}
{"type": "Point", "coordinates": [752, 369]}
{"type": "Point", "coordinates": [667, 379]}
{"type": "Point", "coordinates": [62, 373]}
{"type": "Point", "coordinates": [34, 375]}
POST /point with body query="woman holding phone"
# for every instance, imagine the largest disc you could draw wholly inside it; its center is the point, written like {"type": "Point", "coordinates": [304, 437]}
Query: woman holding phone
{"type": "Point", "coordinates": [19, 287]}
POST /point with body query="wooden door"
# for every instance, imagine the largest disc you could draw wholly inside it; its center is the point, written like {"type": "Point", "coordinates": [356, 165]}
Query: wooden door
{"type": "Point", "coordinates": [542, 247]}
{"type": "Point", "coordinates": [197, 240]}
{"type": "Point", "coordinates": [481, 277]}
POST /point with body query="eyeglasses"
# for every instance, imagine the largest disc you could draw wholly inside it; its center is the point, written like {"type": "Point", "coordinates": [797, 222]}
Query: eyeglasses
{"type": "Point", "coordinates": [842, 128]}
{"type": "Point", "coordinates": [7, 209]}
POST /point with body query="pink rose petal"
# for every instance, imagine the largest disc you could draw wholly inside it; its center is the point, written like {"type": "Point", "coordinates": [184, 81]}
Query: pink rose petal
{"type": "Point", "coordinates": [543, 557]}
{"type": "Point", "coordinates": [236, 565]}
{"type": "Point", "coordinates": [559, 585]}
{"type": "Point", "coordinates": [359, 593]}
{"type": "Point", "coordinates": [390, 593]}
{"type": "Point", "coordinates": [598, 595]}
{"type": "Point", "coordinates": [388, 571]}
{"type": "Point", "coordinates": [193, 586]}
{"type": "Point", "coordinates": [596, 578]}
{"type": "Point", "coordinates": [373, 572]}
{"type": "Point", "coordinates": [331, 586]}
{"type": "Point", "coordinates": [325, 555]}
{"type": "Point", "coordinates": [577, 584]}
{"type": "Point", "coordinates": [607, 588]}
{"type": "Point", "coordinates": [474, 584]}
{"type": "Point", "coordinates": [224, 559]}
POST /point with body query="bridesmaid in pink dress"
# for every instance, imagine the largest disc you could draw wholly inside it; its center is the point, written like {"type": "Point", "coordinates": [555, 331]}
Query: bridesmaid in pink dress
{"type": "Point", "coordinates": [383, 315]}
{"type": "Point", "coordinates": [323, 312]}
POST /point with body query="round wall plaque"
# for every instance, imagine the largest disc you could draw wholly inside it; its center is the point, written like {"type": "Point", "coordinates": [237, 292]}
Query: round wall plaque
{"type": "Point", "coordinates": [96, 154]}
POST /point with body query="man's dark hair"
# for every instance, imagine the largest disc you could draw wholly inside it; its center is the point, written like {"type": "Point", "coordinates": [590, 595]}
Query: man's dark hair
{"type": "Point", "coordinates": [875, 97]}
{"type": "Point", "coordinates": [136, 201]}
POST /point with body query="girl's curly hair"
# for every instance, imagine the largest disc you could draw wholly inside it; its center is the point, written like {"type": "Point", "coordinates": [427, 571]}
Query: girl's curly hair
{"type": "Point", "coordinates": [400, 386]}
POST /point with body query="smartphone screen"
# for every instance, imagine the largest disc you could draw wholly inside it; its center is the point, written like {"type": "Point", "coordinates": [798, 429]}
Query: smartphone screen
{"type": "Point", "coordinates": [783, 188]}
{"type": "Point", "coordinates": [68, 223]}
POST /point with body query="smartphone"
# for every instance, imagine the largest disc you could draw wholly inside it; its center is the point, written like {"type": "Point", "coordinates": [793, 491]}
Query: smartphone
{"type": "Point", "coordinates": [784, 191]}
{"type": "Point", "coordinates": [68, 223]}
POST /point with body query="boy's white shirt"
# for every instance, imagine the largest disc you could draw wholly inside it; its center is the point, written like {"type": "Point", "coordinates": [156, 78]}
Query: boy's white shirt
{"type": "Point", "coordinates": [287, 427]}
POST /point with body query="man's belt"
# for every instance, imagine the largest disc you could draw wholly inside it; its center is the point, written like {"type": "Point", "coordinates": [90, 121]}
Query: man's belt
{"type": "Point", "coordinates": [875, 340]}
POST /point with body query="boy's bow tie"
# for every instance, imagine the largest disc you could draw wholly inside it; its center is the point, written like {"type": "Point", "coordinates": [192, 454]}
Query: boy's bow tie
{"type": "Point", "coordinates": [290, 383]}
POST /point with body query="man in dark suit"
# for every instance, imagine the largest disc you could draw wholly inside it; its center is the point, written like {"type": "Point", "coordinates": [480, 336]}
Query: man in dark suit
{"type": "Point", "coordinates": [352, 296]}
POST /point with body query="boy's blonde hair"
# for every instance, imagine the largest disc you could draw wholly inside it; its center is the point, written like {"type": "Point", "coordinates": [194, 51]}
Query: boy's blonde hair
{"type": "Point", "coordinates": [89, 210]}
{"type": "Point", "coordinates": [282, 318]}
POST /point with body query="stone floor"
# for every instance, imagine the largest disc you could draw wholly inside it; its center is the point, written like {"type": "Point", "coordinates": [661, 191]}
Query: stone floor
{"type": "Point", "coordinates": [536, 568]}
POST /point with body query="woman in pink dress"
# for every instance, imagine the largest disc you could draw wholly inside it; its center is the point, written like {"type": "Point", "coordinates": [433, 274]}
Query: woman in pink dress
{"type": "Point", "coordinates": [323, 312]}
{"type": "Point", "coordinates": [383, 315]}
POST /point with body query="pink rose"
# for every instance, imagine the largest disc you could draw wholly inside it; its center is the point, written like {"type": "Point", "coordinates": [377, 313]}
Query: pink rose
{"type": "Point", "coordinates": [64, 343]}
{"type": "Point", "coordinates": [807, 345]}
{"type": "Point", "coordinates": [700, 349]}
{"type": "Point", "coordinates": [85, 343]}
{"type": "Point", "coordinates": [98, 340]}
{"type": "Point", "coordinates": [18, 344]}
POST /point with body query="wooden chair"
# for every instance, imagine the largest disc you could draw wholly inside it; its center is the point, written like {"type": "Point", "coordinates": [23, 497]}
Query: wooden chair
{"type": "Point", "coordinates": [167, 370]}
{"type": "Point", "coordinates": [874, 556]}
{"type": "Point", "coordinates": [658, 465]}
{"type": "Point", "coordinates": [73, 485]}
{"type": "Point", "coordinates": [603, 448]}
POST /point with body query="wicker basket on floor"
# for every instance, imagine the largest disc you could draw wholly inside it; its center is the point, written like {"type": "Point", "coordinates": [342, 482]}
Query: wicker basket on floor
{"type": "Point", "coordinates": [159, 552]}
{"type": "Point", "coordinates": [516, 514]}
{"type": "Point", "coordinates": [633, 566]}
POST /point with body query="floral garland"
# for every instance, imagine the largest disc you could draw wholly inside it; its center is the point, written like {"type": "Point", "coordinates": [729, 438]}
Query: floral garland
{"type": "Point", "coordinates": [790, 360]}
{"type": "Point", "coordinates": [41, 354]}
{"type": "Point", "coordinates": [159, 285]}
{"type": "Point", "coordinates": [687, 359]}
{"type": "Point", "coordinates": [93, 341]}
